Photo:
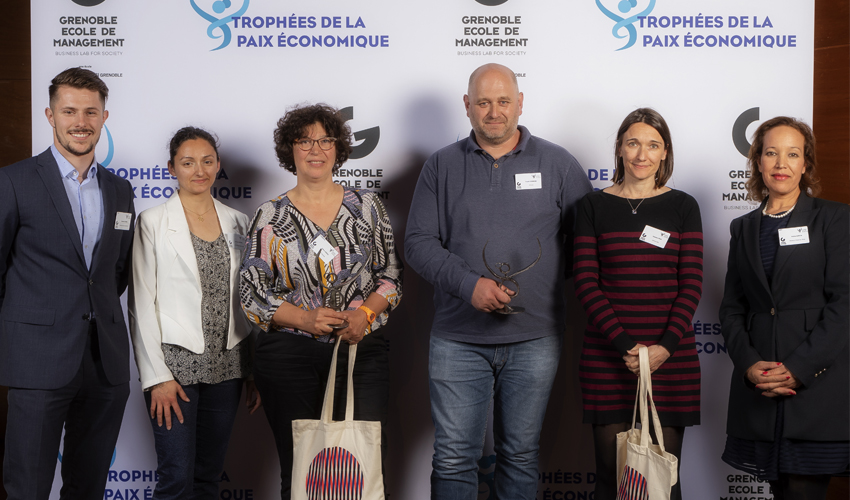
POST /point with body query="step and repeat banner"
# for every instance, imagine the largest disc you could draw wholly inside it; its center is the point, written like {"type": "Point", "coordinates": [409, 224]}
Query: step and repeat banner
{"type": "Point", "coordinates": [399, 70]}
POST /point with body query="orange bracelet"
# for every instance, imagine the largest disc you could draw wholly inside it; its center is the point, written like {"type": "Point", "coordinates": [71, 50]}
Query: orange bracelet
{"type": "Point", "coordinates": [370, 314]}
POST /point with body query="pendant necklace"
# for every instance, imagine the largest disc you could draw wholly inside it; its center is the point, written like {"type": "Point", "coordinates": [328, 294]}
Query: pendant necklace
{"type": "Point", "coordinates": [200, 216]}
{"type": "Point", "coordinates": [634, 209]}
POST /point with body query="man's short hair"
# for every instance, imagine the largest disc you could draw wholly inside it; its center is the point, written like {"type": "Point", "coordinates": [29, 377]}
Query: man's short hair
{"type": "Point", "coordinates": [78, 78]}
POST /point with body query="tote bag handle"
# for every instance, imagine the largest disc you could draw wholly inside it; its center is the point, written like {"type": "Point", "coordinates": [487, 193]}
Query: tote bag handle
{"type": "Point", "coordinates": [644, 393]}
{"type": "Point", "coordinates": [328, 404]}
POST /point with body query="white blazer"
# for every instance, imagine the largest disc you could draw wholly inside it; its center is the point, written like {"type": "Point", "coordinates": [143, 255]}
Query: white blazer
{"type": "Point", "coordinates": [164, 301]}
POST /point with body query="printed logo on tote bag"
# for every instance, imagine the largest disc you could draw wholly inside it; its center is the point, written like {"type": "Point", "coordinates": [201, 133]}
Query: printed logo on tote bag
{"type": "Point", "coordinates": [334, 474]}
{"type": "Point", "coordinates": [632, 486]}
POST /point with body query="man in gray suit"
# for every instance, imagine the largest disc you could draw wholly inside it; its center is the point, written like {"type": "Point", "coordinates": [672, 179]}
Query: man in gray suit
{"type": "Point", "coordinates": [66, 231]}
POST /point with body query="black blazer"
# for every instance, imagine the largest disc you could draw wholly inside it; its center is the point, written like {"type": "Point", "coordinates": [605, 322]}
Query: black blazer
{"type": "Point", "coordinates": [801, 319]}
{"type": "Point", "coordinates": [46, 290]}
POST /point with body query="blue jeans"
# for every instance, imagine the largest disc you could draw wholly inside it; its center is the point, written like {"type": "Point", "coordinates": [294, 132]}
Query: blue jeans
{"type": "Point", "coordinates": [190, 456]}
{"type": "Point", "coordinates": [464, 378]}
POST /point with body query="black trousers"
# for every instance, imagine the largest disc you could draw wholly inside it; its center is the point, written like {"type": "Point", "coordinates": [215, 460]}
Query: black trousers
{"type": "Point", "coordinates": [91, 410]}
{"type": "Point", "coordinates": [291, 372]}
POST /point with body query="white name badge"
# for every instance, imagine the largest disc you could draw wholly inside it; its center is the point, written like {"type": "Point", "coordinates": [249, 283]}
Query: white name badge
{"type": "Point", "coordinates": [122, 221]}
{"type": "Point", "coordinates": [529, 181]}
{"type": "Point", "coordinates": [235, 241]}
{"type": "Point", "coordinates": [323, 249]}
{"type": "Point", "coordinates": [654, 236]}
{"type": "Point", "coordinates": [793, 236]}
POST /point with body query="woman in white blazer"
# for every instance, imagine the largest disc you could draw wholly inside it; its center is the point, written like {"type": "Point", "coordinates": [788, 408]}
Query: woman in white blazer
{"type": "Point", "coordinates": [190, 336]}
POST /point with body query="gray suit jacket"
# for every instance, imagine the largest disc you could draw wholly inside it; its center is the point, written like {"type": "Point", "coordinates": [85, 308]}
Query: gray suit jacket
{"type": "Point", "coordinates": [46, 291]}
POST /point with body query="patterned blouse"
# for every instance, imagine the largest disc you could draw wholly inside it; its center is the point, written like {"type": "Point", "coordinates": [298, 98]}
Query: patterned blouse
{"type": "Point", "coordinates": [280, 266]}
{"type": "Point", "coordinates": [217, 363]}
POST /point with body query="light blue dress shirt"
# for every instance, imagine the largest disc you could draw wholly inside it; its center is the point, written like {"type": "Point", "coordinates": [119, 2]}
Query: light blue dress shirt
{"type": "Point", "coordinates": [86, 202]}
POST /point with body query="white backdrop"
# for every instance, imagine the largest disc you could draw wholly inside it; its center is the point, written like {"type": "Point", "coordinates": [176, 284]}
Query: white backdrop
{"type": "Point", "coordinates": [712, 69]}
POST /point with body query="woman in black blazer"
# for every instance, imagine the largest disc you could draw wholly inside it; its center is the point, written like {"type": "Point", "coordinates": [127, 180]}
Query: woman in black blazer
{"type": "Point", "coordinates": [785, 320]}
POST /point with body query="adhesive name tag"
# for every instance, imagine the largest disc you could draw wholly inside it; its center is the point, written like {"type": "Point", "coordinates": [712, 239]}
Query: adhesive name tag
{"type": "Point", "coordinates": [793, 236]}
{"type": "Point", "coordinates": [323, 249]}
{"type": "Point", "coordinates": [122, 220]}
{"type": "Point", "coordinates": [235, 241]}
{"type": "Point", "coordinates": [654, 236]}
{"type": "Point", "coordinates": [529, 181]}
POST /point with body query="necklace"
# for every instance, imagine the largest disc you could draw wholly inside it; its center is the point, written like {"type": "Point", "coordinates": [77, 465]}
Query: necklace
{"type": "Point", "coordinates": [200, 216]}
{"type": "Point", "coordinates": [634, 209]}
{"type": "Point", "coordinates": [777, 216]}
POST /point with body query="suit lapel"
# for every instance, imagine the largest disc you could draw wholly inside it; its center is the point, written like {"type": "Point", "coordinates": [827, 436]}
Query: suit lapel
{"type": "Point", "coordinates": [48, 170]}
{"type": "Point", "coordinates": [110, 201]}
{"type": "Point", "coordinates": [752, 226]}
{"type": "Point", "coordinates": [801, 216]}
{"type": "Point", "coordinates": [180, 238]}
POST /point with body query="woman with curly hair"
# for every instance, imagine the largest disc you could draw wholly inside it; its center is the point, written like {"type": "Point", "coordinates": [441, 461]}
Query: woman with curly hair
{"type": "Point", "coordinates": [318, 239]}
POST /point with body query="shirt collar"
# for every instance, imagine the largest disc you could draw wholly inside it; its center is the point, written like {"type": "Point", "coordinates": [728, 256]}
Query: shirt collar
{"type": "Point", "coordinates": [525, 136]}
{"type": "Point", "coordinates": [66, 169]}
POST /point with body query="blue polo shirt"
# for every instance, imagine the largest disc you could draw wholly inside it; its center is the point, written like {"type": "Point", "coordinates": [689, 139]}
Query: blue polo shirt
{"type": "Point", "coordinates": [465, 199]}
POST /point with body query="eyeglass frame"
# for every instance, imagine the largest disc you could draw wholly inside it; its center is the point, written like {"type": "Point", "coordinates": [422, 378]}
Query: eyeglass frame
{"type": "Point", "coordinates": [313, 142]}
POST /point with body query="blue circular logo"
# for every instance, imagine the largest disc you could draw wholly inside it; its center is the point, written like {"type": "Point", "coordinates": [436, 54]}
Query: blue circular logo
{"type": "Point", "coordinates": [88, 3]}
{"type": "Point", "coordinates": [491, 3]}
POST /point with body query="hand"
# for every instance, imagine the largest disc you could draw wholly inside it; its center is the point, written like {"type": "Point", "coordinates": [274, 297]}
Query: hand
{"type": "Point", "coordinates": [164, 400]}
{"type": "Point", "coordinates": [252, 397]}
{"type": "Point", "coordinates": [490, 296]}
{"type": "Point", "coordinates": [657, 356]}
{"type": "Point", "coordinates": [774, 378]}
{"type": "Point", "coordinates": [317, 321]}
{"type": "Point", "coordinates": [358, 322]}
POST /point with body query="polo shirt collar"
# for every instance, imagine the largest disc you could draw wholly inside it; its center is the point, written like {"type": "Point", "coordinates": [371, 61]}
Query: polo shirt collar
{"type": "Point", "coordinates": [525, 136]}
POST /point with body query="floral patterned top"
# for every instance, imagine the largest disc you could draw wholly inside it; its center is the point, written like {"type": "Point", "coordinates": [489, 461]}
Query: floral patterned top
{"type": "Point", "coordinates": [280, 266]}
{"type": "Point", "coordinates": [217, 363]}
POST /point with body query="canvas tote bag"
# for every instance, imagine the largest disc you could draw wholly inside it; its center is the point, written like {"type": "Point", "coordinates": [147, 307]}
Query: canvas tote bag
{"type": "Point", "coordinates": [337, 460]}
{"type": "Point", "coordinates": [644, 470]}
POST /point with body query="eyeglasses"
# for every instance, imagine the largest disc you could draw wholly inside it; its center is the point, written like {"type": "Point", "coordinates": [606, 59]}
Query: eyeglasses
{"type": "Point", "coordinates": [325, 143]}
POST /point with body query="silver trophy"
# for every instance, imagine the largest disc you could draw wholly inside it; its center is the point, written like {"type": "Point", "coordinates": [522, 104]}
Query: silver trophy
{"type": "Point", "coordinates": [507, 275]}
{"type": "Point", "coordinates": [334, 297]}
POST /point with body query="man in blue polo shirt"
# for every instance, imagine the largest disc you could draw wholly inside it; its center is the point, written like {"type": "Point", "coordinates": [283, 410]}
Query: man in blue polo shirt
{"type": "Point", "coordinates": [506, 189]}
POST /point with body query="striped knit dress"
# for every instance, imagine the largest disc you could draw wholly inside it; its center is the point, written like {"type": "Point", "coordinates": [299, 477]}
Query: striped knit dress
{"type": "Point", "coordinates": [635, 292]}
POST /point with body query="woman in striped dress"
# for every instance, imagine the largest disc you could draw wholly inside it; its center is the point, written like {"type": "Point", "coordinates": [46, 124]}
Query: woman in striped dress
{"type": "Point", "coordinates": [638, 275]}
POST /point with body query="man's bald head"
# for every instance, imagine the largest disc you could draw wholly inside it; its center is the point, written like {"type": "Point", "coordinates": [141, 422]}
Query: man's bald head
{"type": "Point", "coordinates": [493, 104]}
{"type": "Point", "coordinates": [481, 70]}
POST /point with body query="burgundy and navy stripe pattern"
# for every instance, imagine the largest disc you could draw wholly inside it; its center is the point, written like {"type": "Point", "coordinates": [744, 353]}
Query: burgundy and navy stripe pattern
{"type": "Point", "coordinates": [632, 486]}
{"type": "Point", "coordinates": [634, 292]}
{"type": "Point", "coordinates": [334, 475]}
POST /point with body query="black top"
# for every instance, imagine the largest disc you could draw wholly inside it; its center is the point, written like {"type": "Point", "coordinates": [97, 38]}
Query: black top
{"type": "Point", "coordinates": [769, 241]}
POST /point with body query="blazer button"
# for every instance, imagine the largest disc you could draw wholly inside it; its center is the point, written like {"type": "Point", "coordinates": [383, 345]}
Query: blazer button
{"type": "Point", "coordinates": [772, 311]}
{"type": "Point", "coordinates": [91, 282]}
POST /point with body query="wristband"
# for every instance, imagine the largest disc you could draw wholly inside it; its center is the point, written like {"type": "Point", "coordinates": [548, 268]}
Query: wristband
{"type": "Point", "coordinates": [370, 314]}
